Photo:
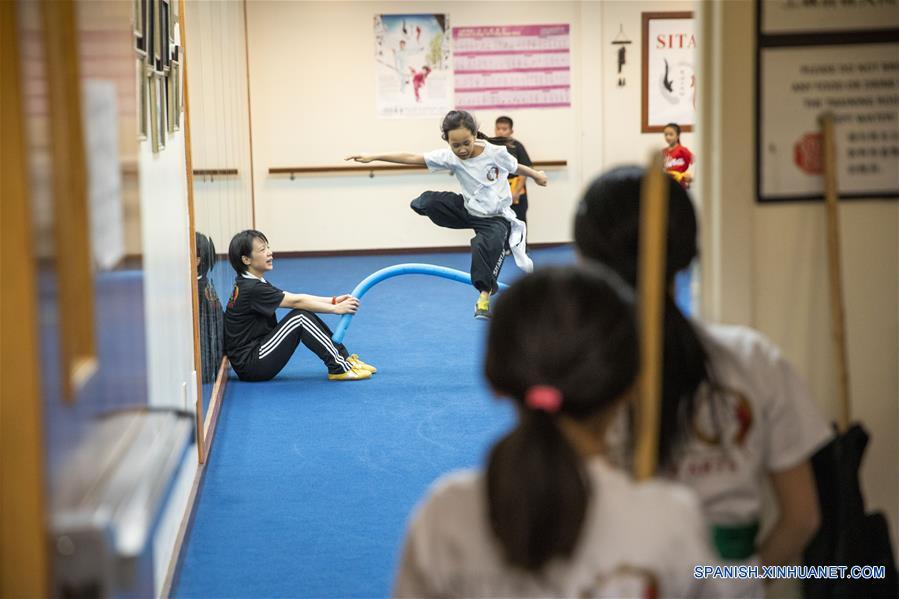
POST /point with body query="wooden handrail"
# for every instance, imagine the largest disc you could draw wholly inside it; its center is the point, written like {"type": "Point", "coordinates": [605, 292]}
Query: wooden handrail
{"type": "Point", "coordinates": [214, 171]}
{"type": "Point", "coordinates": [372, 169]}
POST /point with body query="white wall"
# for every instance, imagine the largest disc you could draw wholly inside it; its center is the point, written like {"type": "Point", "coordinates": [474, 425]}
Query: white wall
{"type": "Point", "coordinates": [168, 309]}
{"type": "Point", "coordinates": [176, 509]}
{"type": "Point", "coordinates": [313, 102]}
{"type": "Point", "coordinates": [167, 274]}
{"type": "Point", "coordinates": [767, 264]}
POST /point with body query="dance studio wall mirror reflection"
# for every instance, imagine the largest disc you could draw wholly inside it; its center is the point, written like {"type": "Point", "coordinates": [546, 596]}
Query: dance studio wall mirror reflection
{"type": "Point", "coordinates": [218, 102]}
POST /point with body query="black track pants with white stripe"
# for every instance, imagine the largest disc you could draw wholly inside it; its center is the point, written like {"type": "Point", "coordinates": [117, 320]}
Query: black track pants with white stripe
{"type": "Point", "coordinates": [299, 326]}
{"type": "Point", "coordinates": [491, 234]}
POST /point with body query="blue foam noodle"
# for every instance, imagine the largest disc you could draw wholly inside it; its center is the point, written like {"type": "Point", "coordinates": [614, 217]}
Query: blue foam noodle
{"type": "Point", "coordinates": [394, 271]}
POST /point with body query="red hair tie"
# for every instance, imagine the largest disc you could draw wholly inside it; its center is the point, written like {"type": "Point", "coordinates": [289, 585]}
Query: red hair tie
{"type": "Point", "coordinates": [543, 397]}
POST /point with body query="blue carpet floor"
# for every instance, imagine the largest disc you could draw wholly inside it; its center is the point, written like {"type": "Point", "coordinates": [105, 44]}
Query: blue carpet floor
{"type": "Point", "coordinates": [310, 482]}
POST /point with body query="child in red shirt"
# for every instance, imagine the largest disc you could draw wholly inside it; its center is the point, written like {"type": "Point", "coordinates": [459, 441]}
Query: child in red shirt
{"type": "Point", "coordinates": [677, 158]}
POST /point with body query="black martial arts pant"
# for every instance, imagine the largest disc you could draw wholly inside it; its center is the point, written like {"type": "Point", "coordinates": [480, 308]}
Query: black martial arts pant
{"type": "Point", "coordinates": [299, 326]}
{"type": "Point", "coordinates": [521, 208]}
{"type": "Point", "coordinates": [491, 233]}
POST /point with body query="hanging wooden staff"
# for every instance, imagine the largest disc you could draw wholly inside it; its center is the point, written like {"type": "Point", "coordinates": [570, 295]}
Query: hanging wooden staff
{"type": "Point", "coordinates": [835, 271]}
{"type": "Point", "coordinates": [847, 536]}
{"type": "Point", "coordinates": [651, 293]}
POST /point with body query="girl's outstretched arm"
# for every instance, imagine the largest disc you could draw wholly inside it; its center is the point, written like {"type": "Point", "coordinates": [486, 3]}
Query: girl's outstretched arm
{"type": "Point", "coordinates": [538, 176]}
{"type": "Point", "coordinates": [397, 157]}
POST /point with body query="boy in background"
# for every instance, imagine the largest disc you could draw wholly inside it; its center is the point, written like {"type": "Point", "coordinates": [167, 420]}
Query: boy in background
{"type": "Point", "coordinates": [503, 131]}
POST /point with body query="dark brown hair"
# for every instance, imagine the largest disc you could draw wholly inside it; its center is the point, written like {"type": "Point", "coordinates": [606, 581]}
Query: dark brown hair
{"type": "Point", "coordinates": [607, 229]}
{"type": "Point", "coordinates": [570, 328]}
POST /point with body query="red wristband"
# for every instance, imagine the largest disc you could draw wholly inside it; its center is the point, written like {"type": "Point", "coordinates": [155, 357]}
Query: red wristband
{"type": "Point", "coordinates": [333, 300]}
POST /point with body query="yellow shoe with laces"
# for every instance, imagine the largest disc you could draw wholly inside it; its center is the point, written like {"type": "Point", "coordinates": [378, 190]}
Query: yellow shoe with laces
{"type": "Point", "coordinates": [352, 374]}
{"type": "Point", "coordinates": [482, 308]}
{"type": "Point", "coordinates": [357, 363]}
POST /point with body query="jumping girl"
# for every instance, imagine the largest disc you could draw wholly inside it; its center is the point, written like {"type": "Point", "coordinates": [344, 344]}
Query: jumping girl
{"type": "Point", "coordinates": [484, 205]}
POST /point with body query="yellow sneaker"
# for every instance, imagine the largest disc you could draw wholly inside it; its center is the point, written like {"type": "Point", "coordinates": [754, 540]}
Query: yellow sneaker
{"type": "Point", "coordinates": [482, 308]}
{"type": "Point", "coordinates": [358, 364]}
{"type": "Point", "coordinates": [352, 374]}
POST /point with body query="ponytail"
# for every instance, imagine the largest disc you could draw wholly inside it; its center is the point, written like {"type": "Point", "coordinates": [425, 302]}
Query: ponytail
{"type": "Point", "coordinates": [508, 142]}
{"type": "Point", "coordinates": [537, 492]}
{"type": "Point", "coordinates": [607, 229]}
{"type": "Point", "coordinates": [684, 370]}
{"type": "Point", "coordinates": [576, 358]}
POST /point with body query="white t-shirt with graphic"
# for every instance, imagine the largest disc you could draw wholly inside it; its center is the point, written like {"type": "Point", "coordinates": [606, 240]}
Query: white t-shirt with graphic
{"type": "Point", "coordinates": [484, 178]}
{"type": "Point", "coordinates": [768, 422]}
{"type": "Point", "coordinates": [485, 189]}
{"type": "Point", "coordinates": [636, 537]}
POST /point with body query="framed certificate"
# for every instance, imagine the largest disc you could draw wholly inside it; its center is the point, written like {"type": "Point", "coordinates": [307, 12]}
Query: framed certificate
{"type": "Point", "coordinates": [669, 73]}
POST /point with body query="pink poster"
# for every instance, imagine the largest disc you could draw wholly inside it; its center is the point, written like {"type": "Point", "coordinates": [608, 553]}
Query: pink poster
{"type": "Point", "coordinates": [512, 66]}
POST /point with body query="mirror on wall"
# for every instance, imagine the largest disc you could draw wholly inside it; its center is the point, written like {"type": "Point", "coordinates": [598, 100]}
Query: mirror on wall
{"type": "Point", "coordinates": [217, 98]}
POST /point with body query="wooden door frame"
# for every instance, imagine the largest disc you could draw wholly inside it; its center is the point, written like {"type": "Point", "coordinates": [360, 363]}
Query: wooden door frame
{"type": "Point", "coordinates": [23, 551]}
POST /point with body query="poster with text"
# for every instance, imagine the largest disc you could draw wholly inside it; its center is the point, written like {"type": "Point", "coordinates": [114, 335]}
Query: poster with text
{"type": "Point", "coordinates": [412, 66]}
{"type": "Point", "coordinates": [859, 84]}
{"type": "Point", "coordinates": [512, 66]}
{"type": "Point", "coordinates": [669, 73]}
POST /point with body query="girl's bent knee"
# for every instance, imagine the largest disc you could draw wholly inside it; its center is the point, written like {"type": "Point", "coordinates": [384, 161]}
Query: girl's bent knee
{"type": "Point", "coordinates": [420, 203]}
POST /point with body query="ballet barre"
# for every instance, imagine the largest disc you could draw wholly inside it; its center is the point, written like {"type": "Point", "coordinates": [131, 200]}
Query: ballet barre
{"type": "Point", "coordinates": [383, 168]}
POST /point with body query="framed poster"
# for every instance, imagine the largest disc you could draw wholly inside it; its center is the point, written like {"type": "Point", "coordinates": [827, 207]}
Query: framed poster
{"type": "Point", "coordinates": [412, 65]}
{"type": "Point", "coordinates": [150, 25]}
{"type": "Point", "coordinates": [143, 107]}
{"type": "Point", "coordinates": [669, 73]}
{"type": "Point", "coordinates": [139, 26]}
{"type": "Point", "coordinates": [157, 33]}
{"type": "Point", "coordinates": [164, 34]}
{"type": "Point", "coordinates": [161, 118]}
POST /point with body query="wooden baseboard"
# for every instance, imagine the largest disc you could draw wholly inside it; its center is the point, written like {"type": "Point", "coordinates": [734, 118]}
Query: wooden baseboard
{"type": "Point", "coordinates": [215, 403]}
{"type": "Point", "coordinates": [183, 530]}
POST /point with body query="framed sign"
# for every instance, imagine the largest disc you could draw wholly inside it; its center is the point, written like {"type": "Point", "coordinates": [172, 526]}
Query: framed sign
{"type": "Point", "coordinates": [669, 73]}
{"type": "Point", "coordinates": [817, 58]}
{"type": "Point", "coordinates": [858, 83]}
{"type": "Point", "coordinates": [158, 69]}
{"type": "Point", "coordinates": [795, 17]}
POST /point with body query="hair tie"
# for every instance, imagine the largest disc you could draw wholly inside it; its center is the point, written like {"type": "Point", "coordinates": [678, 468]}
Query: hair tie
{"type": "Point", "coordinates": [545, 398]}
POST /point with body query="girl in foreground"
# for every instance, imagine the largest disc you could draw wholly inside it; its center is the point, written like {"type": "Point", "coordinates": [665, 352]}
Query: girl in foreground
{"type": "Point", "coordinates": [735, 416]}
{"type": "Point", "coordinates": [550, 517]}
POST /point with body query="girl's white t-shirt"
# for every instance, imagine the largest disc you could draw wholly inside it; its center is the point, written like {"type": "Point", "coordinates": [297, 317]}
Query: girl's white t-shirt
{"type": "Point", "coordinates": [767, 422]}
{"type": "Point", "coordinates": [635, 537]}
{"type": "Point", "coordinates": [484, 178]}
{"type": "Point", "coordinates": [486, 191]}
